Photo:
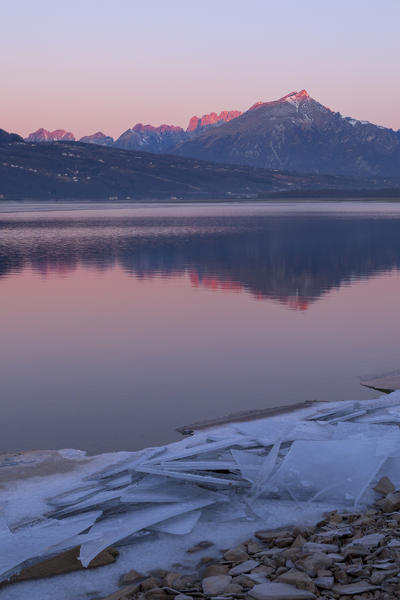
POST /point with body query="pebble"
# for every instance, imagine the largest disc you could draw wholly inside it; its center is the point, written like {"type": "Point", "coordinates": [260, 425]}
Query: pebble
{"type": "Point", "coordinates": [360, 587]}
{"type": "Point", "coordinates": [279, 591]}
{"type": "Point", "coordinates": [215, 570]}
{"type": "Point", "coordinates": [244, 567]}
{"type": "Point", "coordinates": [200, 546]}
{"type": "Point", "coordinates": [384, 486]}
{"type": "Point", "coordinates": [215, 584]}
{"type": "Point", "coordinates": [316, 547]}
{"type": "Point", "coordinates": [236, 555]}
{"type": "Point", "coordinates": [353, 555]}
{"type": "Point", "coordinates": [325, 583]}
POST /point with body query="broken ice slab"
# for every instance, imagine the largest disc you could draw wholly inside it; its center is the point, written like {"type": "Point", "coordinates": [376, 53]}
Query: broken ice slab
{"type": "Point", "coordinates": [267, 434]}
{"type": "Point", "coordinates": [344, 417]}
{"type": "Point", "coordinates": [199, 465]}
{"type": "Point", "coordinates": [233, 509]}
{"type": "Point", "coordinates": [343, 412]}
{"type": "Point", "coordinates": [181, 525]}
{"type": "Point", "coordinates": [248, 463]}
{"type": "Point", "coordinates": [337, 471]}
{"type": "Point", "coordinates": [162, 489]}
{"type": "Point", "coordinates": [221, 482]}
{"type": "Point", "coordinates": [195, 450]}
{"type": "Point", "coordinates": [117, 528]}
{"type": "Point", "coordinates": [345, 430]}
{"type": "Point", "coordinates": [267, 467]}
{"type": "Point", "coordinates": [31, 544]}
{"type": "Point", "coordinates": [75, 496]}
{"type": "Point", "coordinates": [96, 501]}
{"type": "Point", "coordinates": [128, 463]}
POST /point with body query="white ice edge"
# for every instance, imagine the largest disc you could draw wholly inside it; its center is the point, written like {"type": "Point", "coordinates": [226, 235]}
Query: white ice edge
{"type": "Point", "coordinates": [256, 474]}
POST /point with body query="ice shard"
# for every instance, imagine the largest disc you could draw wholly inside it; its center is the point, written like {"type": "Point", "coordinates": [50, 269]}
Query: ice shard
{"type": "Point", "coordinates": [117, 528]}
{"type": "Point", "coordinates": [30, 544]}
{"type": "Point", "coordinates": [181, 525]}
{"type": "Point", "coordinates": [330, 470]}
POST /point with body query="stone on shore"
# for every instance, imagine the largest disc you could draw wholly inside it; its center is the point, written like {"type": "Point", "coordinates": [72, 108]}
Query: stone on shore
{"type": "Point", "coordinates": [360, 587]}
{"type": "Point", "coordinates": [391, 502]}
{"type": "Point", "coordinates": [311, 547]}
{"type": "Point", "coordinates": [279, 591]}
{"type": "Point", "coordinates": [384, 486]}
{"type": "Point", "coordinates": [244, 567]}
{"type": "Point", "coordinates": [215, 570]}
{"type": "Point", "coordinates": [298, 578]}
{"type": "Point", "coordinates": [66, 562]}
{"type": "Point", "coordinates": [216, 584]}
{"type": "Point", "coordinates": [311, 564]}
{"type": "Point", "coordinates": [236, 555]}
{"type": "Point", "coordinates": [130, 577]}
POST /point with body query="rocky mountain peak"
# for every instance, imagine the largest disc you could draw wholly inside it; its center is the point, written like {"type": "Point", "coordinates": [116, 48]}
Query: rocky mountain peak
{"type": "Point", "coordinates": [99, 138]}
{"type": "Point", "coordinates": [43, 135]}
{"type": "Point", "coordinates": [302, 95]}
{"type": "Point", "coordinates": [139, 127]}
{"type": "Point", "coordinates": [293, 98]}
{"type": "Point", "coordinates": [212, 118]}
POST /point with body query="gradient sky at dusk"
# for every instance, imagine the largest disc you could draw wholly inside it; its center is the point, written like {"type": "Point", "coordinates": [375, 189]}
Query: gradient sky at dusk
{"type": "Point", "coordinates": [89, 65]}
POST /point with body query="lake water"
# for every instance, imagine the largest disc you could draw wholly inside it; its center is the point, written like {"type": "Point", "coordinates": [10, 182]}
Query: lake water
{"type": "Point", "coordinates": [120, 324]}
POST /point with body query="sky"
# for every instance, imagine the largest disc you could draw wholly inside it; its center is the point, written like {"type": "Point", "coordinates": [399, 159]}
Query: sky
{"type": "Point", "coordinates": [89, 65]}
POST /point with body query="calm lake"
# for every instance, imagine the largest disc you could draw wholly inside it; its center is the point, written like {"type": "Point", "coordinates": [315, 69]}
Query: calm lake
{"type": "Point", "coordinates": [120, 324]}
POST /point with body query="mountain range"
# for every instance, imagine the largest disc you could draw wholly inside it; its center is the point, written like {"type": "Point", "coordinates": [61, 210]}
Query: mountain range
{"type": "Point", "coordinates": [87, 171]}
{"type": "Point", "coordinates": [161, 139]}
{"type": "Point", "coordinates": [295, 133]}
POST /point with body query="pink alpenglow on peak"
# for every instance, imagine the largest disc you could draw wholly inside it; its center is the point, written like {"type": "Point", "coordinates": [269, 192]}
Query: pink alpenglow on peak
{"type": "Point", "coordinates": [212, 119]}
{"type": "Point", "coordinates": [43, 135]}
{"type": "Point", "coordinates": [301, 96]}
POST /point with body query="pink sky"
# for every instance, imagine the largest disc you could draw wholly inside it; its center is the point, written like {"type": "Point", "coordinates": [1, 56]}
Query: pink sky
{"type": "Point", "coordinates": [106, 65]}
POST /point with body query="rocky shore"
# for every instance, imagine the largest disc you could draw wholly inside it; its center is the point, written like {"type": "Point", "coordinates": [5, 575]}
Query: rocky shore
{"type": "Point", "coordinates": [346, 555]}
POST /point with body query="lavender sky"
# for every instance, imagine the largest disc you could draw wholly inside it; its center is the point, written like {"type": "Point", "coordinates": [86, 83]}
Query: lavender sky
{"type": "Point", "coordinates": [89, 65]}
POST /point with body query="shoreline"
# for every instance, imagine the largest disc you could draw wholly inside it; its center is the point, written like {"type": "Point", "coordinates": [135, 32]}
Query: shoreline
{"type": "Point", "coordinates": [346, 554]}
{"type": "Point", "coordinates": [220, 485]}
{"type": "Point", "coordinates": [353, 554]}
{"type": "Point", "coordinates": [305, 198]}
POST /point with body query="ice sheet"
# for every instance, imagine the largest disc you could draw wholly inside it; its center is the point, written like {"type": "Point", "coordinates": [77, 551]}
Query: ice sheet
{"type": "Point", "coordinates": [179, 525]}
{"type": "Point", "coordinates": [117, 528]}
{"type": "Point", "coordinates": [335, 470]}
{"type": "Point", "coordinates": [248, 463]}
{"type": "Point", "coordinates": [280, 470]}
{"type": "Point", "coordinates": [28, 545]}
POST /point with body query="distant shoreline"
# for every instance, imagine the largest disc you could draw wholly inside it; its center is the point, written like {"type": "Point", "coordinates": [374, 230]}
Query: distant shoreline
{"type": "Point", "coordinates": [361, 198]}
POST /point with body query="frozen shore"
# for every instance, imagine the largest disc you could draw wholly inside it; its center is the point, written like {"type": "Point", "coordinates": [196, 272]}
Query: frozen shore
{"type": "Point", "coordinates": [221, 484]}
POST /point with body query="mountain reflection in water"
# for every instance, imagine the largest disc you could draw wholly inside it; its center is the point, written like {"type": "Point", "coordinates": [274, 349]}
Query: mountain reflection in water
{"type": "Point", "coordinates": [294, 259]}
{"type": "Point", "coordinates": [118, 325]}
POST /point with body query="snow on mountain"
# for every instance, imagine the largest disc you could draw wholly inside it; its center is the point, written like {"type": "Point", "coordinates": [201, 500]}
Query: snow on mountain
{"type": "Point", "coordinates": [295, 133]}
{"type": "Point", "coordinates": [298, 133]}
